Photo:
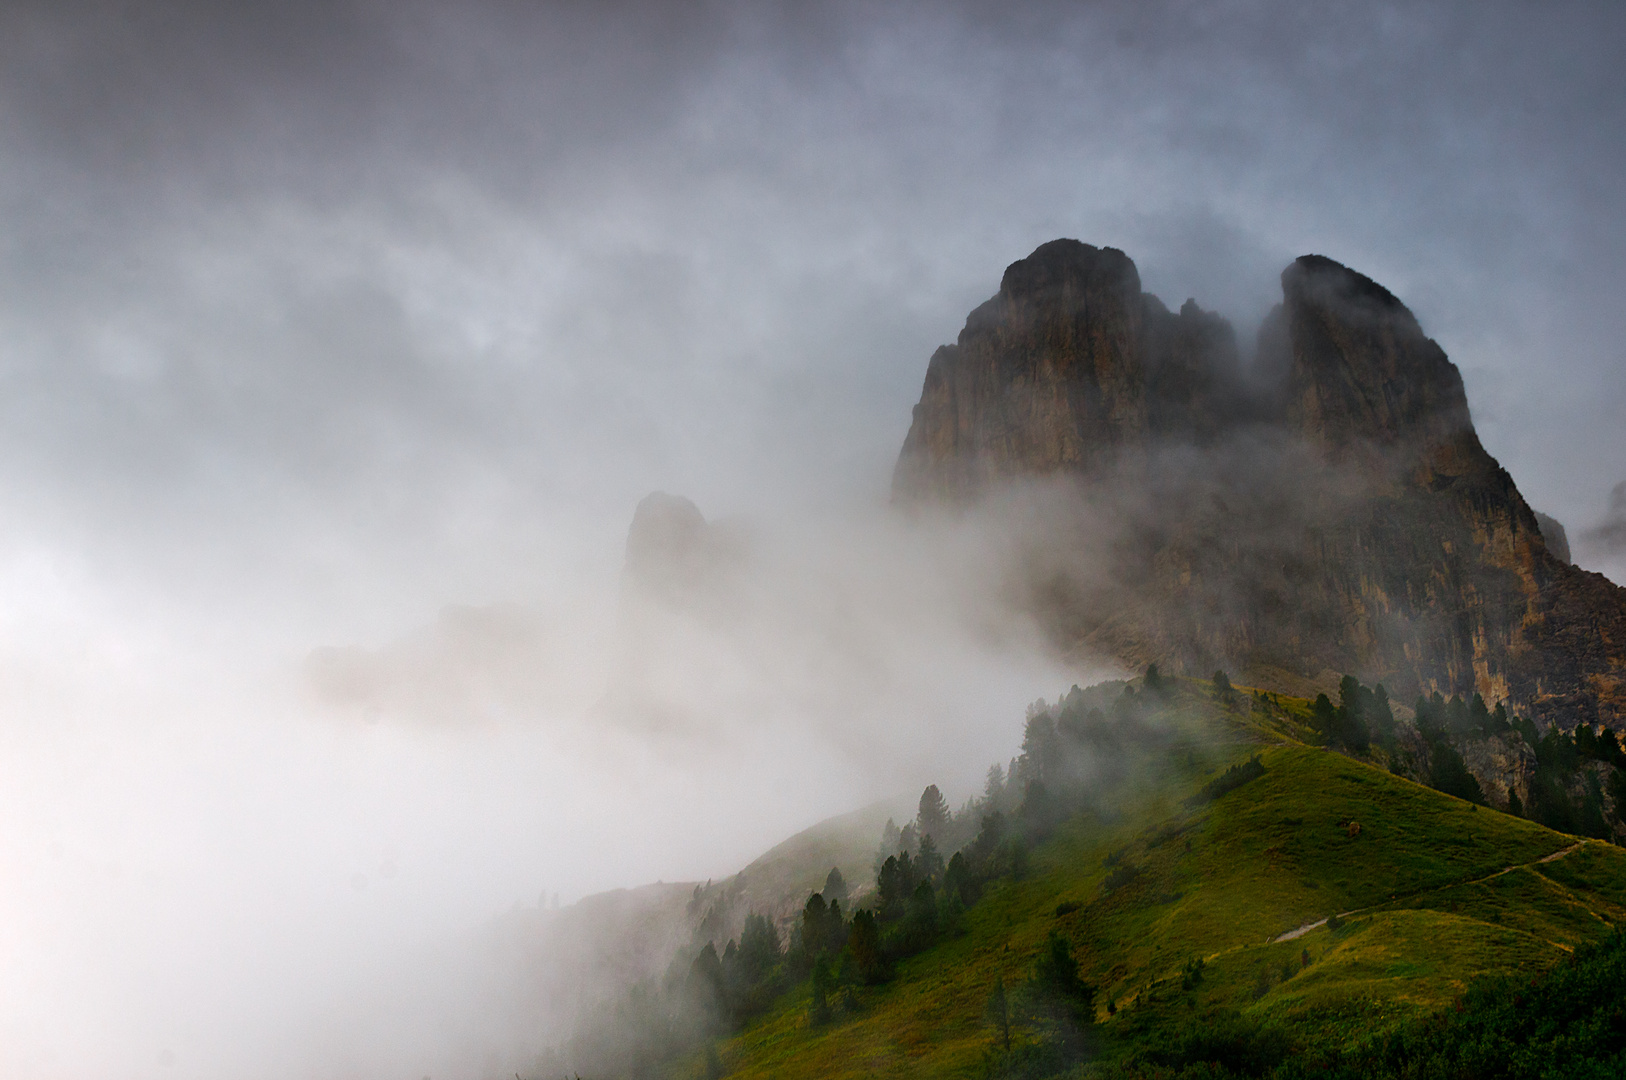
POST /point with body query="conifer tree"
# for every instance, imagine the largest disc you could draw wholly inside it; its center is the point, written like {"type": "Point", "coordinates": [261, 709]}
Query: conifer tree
{"type": "Point", "coordinates": [994, 786]}
{"type": "Point", "coordinates": [864, 942]}
{"type": "Point", "coordinates": [1324, 717]}
{"type": "Point", "coordinates": [759, 947]}
{"type": "Point", "coordinates": [813, 928]}
{"type": "Point", "coordinates": [835, 886]}
{"type": "Point", "coordinates": [933, 817]}
{"type": "Point", "coordinates": [929, 863]}
{"type": "Point", "coordinates": [1383, 716]}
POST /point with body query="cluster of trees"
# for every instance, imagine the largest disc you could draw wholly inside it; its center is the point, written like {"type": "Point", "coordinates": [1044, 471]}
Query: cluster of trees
{"type": "Point", "coordinates": [1562, 793]}
{"type": "Point", "coordinates": [1460, 718]}
{"type": "Point", "coordinates": [932, 869]}
{"type": "Point", "coordinates": [703, 994]}
{"type": "Point", "coordinates": [1567, 1022]}
{"type": "Point", "coordinates": [1087, 738]}
{"type": "Point", "coordinates": [1228, 781]}
{"type": "Point", "coordinates": [1053, 1008]}
{"type": "Point", "coordinates": [1363, 715]}
{"type": "Point", "coordinates": [1560, 768]}
{"type": "Point", "coordinates": [927, 874]}
{"type": "Point", "coordinates": [1438, 722]}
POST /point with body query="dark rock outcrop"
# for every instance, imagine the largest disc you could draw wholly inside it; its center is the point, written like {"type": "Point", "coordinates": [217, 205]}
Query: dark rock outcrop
{"type": "Point", "coordinates": [1552, 531]}
{"type": "Point", "coordinates": [677, 558]}
{"type": "Point", "coordinates": [1335, 513]}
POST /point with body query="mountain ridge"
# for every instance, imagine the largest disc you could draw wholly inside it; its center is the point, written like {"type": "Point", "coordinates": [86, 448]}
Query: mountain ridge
{"type": "Point", "coordinates": [1344, 518]}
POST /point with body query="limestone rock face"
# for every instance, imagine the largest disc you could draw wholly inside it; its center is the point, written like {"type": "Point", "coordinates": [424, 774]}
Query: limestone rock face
{"type": "Point", "coordinates": [1068, 369]}
{"type": "Point", "coordinates": [1046, 376]}
{"type": "Point", "coordinates": [1193, 385]}
{"type": "Point", "coordinates": [1336, 513]}
{"type": "Point", "coordinates": [1361, 368]}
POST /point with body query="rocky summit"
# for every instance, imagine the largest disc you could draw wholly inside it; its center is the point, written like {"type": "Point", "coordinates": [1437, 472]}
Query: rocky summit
{"type": "Point", "coordinates": [1327, 508]}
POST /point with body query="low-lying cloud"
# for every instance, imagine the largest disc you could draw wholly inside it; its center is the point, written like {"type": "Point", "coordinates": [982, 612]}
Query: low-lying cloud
{"type": "Point", "coordinates": [362, 328]}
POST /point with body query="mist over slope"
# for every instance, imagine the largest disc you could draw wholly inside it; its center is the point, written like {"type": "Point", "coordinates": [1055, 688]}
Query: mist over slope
{"type": "Point", "coordinates": [1326, 509]}
{"type": "Point", "coordinates": [364, 327]}
{"type": "Point", "coordinates": [1245, 894]}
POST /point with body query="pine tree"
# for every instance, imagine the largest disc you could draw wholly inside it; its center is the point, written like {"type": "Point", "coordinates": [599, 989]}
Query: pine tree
{"type": "Point", "coordinates": [1041, 748]}
{"type": "Point", "coordinates": [864, 942]}
{"type": "Point", "coordinates": [1457, 719]}
{"type": "Point", "coordinates": [813, 928]}
{"type": "Point", "coordinates": [1383, 716]}
{"type": "Point", "coordinates": [929, 863]}
{"type": "Point", "coordinates": [759, 947]}
{"type": "Point", "coordinates": [822, 980]}
{"type": "Point", "coordinates": [994, 786]}
{"type": "Point", "coordinates": [957, 879]}
{"type": "Point", "coordinates": [1617, 792]}
{"type": "Point", "coordinates": [990, 835]}
{"type": "Point", "coordinates": [1609, 747]}
{"type": "Point", "coordinates": [1324, 717]}
{"type": "Point", "coordinates": [705, 984]}
{"type": "Point", "coordinates": [1449, 774]}
{"type": "Point", "coordinates": [933, 817]}
{"type": "Point", "coordinates": [908, 838]}
{"type": "Point", "coordinates": [835, 886]}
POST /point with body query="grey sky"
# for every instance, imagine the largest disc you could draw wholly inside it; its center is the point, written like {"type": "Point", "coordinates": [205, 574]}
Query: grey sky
{"type": "Point", "coordinates": [420, 279]}
{"type": "Point", "coordinates": [318, 317]}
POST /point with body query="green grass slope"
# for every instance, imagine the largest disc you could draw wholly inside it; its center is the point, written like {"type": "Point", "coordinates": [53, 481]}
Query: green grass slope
{"type": "Point", "coordinates": [1431, 892]}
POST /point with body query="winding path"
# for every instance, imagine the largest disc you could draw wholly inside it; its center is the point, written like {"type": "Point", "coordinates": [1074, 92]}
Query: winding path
{"type": "Point", "coordinates": [1300, 931]}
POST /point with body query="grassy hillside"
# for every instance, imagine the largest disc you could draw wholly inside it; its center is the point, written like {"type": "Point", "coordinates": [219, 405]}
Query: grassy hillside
{"type": "Point", "coordinates": [1430, 892]}
{"type": "Point", "coordinates": [778, 881]}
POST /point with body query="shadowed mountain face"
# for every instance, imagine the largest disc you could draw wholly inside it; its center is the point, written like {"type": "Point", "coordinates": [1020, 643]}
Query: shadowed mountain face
{"type": "Point", "coordinates": [1330, 511]}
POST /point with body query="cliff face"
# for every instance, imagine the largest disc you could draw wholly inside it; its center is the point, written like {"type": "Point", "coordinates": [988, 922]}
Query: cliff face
{"type": "Point", "coordinates": [1046, 376]}
{"type": "Point", "coordinates": [1335, 514]}
{"type": "Point", "coordinates": [1361, 370]}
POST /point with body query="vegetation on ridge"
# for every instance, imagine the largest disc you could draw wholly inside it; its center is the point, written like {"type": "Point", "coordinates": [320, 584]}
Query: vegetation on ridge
{"type": "Point", "coordinates": [1170, 880]}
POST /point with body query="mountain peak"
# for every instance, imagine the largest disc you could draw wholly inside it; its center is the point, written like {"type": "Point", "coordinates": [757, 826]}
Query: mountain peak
{"type": "Point", "coordinates": [1361, 366]}
{"type": "Point", "coordinates": [1345, 519]}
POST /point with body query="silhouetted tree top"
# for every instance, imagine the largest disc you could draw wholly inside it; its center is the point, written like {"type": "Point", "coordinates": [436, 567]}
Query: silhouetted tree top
{"type": "Point", "coordinates": [933, 816]}
{"type": "Point", "coordinates": [835, 886]}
